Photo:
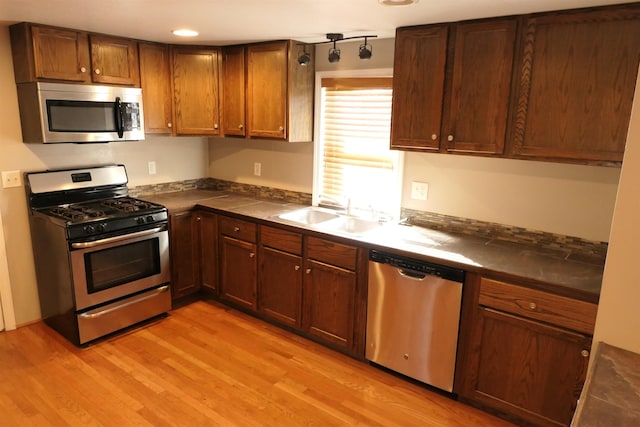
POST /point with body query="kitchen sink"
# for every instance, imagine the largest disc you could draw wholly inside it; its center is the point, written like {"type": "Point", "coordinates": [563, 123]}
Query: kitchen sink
{"type": "Point", "coordinates": [349, 225]}
{"type": "Point", "coordinates": [309, 216]}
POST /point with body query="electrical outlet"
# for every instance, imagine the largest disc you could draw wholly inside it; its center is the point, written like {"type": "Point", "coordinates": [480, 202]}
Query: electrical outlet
{"type": "Point", "coordinates": [11, 179]}
{"type": "Point", "coordinates": [257, 169]}
{"type": "Point", "coordinates": [152, 167]}
{"type": "Point", "coordinates": [419, 190]}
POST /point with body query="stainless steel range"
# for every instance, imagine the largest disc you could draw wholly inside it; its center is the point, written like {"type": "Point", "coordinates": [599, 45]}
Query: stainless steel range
{"type": "Point", "coordinates": [102, 257]}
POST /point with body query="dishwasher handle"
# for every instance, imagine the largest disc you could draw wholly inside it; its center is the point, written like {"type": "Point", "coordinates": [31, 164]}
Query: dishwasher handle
{"type": "Point", "coordinates": [414, 275]}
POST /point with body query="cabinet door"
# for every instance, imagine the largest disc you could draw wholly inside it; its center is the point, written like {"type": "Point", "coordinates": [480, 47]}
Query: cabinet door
{"type": "Point", "coordinates": [329, 303]}
{"type": "Point", "coordinates": [114, 60]}
{"type": "Point", "coordinates": [280, 286]}
{"type": "Point", "coordinates": [418, 84]}
{"type": "Point", "coordinates": [155, 79]}
{"type": "Point", "coordinates": [577, 81]}
{"type": "Point", "coordinates": [208, 236]}
{"type": "Point", "coordinates": [233, 90]}
{"type": "Point", "coordinates": [60, 54]}
{"type": "Point", "coordinates": [238, 272]}
{"type": "Point", "coordinates": [267, 90]}
{"type": "Point", "coordinates": [196, 91]}
{"type": "Point", "coordinates": [185, 266]}
{"type": "Point", "coordinates": [526, 368]}
{"type": "Point", "coordinates": [475, 116]}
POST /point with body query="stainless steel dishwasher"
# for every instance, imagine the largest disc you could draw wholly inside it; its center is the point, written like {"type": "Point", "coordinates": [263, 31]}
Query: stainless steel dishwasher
{"type": "Point", "coordinates": [413, 314]}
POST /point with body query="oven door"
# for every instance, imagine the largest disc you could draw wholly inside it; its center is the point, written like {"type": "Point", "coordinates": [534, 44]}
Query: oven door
{"type": "Point", "coordinates": [116, 267]}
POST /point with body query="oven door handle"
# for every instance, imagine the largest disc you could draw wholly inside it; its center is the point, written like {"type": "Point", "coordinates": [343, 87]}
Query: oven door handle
{"type": "Point", "coordinates": [84, 245]}
{"type": "Point", "coordinates": [98, 312]}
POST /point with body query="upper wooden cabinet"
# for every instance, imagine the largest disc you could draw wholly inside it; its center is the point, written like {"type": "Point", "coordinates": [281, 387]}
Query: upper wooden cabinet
{"type": "Point", "coordinates": [155, 79]}
{"type": "Point", "coordinates": [576, 85]}
{"type": "Point", "coordinates": [196, 73]}
{"type": "Point", "coordinates": [42, 53]}
{"type": "Point", "coordinates": [452, 86]}
{"type": "Point", "coordinates": [279, 93]}
{"type": "Point", "coordinates": [233, 91]}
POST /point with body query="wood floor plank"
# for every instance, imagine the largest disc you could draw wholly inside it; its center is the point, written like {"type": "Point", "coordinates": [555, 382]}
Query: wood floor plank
{"type": "Point", "coordinates": [207, 365]}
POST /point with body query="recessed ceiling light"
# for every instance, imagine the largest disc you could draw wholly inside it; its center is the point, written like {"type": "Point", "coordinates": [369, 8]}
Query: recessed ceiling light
{"type": "Point", "coordinates": [397, 2]}
{"type": "Point", "coordinates": [185, 33]}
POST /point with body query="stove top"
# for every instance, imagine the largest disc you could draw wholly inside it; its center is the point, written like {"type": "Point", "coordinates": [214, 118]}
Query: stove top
{"type": "Point", "coordinates": [104, 209]}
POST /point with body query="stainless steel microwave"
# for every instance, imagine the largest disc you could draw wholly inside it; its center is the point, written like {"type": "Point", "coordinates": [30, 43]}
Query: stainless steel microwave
{"type": "Point", "coordinates": [62, 112]}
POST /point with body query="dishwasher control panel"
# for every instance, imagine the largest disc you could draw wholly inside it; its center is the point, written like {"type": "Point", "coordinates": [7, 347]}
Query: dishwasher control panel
{"type": "Point", "coordinates": [424, 267]}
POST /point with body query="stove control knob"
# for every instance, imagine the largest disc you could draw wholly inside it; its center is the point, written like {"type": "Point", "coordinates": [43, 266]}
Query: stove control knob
{"type": "Point", "coordinates": [150, 218]}
{"type": "Point", "coordinates": [140, 220]}
{"type": "Point", "coordinates": [101, 227]}
{"type": "Point", "coordinates": [89, 229]}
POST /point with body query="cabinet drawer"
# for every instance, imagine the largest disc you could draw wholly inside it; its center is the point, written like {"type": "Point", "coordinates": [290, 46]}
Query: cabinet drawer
{"type": "Point", "coordinates": [558, 310]}
{"type": "Point", "coordinates": [238, 228]}
{"type": "Point", "coordinates": [283, 240]}
{"type": "Point", "coordinates": [332, 253]}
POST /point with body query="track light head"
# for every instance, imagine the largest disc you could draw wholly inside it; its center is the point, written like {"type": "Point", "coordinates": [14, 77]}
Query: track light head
{"type": "Point", "coordinates": [334, 54]}
{"type": "Point", "coordinates": [365, 51]}
{"type": "Point", "coordinates": [305, 58]}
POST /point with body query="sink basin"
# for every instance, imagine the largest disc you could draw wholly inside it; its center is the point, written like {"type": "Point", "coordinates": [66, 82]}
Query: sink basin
{"type": "Point", "coordinates": [349, 225]}
{"type": "Point", "coordinates": [308, 216]}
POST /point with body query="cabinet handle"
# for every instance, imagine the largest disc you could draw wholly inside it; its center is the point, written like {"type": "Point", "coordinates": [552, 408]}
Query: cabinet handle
{"type": "Point", "coordinates": [281, 128]}
{"type": "Point", "coordinates": [215, 126]}
{"type": "Point", "coordinates": [83, 69]}
{"type": "Point", "coordinates": [169, 125]}
{"type": "Point", "coordinates": [198, 219]}
{"type": "Point", "coordinates": [251, 255]}
{"type": "Point", "coordinates": [308, 271]}
{"type": "Point", "coordinates": [240, 126]}
{"type": "Point", "coordinates": [584, 353]}
{"type": "Point", "coordinates": [450, 138]}
{"type": "Point", "coordinates": [296, 268]}
{"type": "Point", "coordinates": [532, 306]}
{"type": "Point", "coordinates": [434, 136]}
{"type": "Point", "coordinates": [97, 71]}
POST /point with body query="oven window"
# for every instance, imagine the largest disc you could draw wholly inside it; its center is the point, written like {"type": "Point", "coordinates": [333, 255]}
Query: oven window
{"type": "Point", "coordinates": [122, 264]}
{"type": "Point", "coordinates": [81, 116]}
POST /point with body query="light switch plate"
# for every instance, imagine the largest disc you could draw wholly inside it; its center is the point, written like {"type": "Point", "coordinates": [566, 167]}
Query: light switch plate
{"type": "Point", "coordinates": [11, 179]}
{"type": "Point", "coordinates": [152, 167]}
{"type": "Point", "coordinates": [419, 190]}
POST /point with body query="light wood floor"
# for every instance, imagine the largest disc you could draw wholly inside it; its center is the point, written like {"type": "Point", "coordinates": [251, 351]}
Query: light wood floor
{"type": "Point", "coordinates": [204, 365]}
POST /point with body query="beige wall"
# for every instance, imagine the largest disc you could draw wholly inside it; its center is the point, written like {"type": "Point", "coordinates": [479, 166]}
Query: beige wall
{"type": "Point", "coordinates": [176, 159]}
{"type": "Point", "coordinates": [618, 318]}
{"type": "Point", "coordinates": [558, 198]}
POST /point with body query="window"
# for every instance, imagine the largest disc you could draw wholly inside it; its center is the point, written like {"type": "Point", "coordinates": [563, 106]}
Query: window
{"type": "Point", "coordinates": [354, 166]}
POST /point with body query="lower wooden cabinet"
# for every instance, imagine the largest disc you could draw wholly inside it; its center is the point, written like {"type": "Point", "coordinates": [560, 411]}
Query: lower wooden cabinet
{"type": "Point", "coordinates": [238, 262]}
{"type": "Point", "coordinates": [185, 265]}
{"type": "Point", "coordinates": [516, 360]}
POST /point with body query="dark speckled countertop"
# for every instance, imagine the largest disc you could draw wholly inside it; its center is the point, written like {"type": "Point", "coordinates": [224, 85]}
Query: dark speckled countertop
{"type": "Point", "coordinates": [542, 268]}
{"type": "Point", "coordinates": [611, 394]}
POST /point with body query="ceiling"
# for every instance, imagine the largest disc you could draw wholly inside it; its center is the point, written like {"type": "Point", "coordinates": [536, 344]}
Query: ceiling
{"type": "Point", "coordinates": [223, 22]}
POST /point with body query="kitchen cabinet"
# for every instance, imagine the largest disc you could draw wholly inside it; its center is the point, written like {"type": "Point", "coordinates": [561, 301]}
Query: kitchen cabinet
{"type": "Point", "coordinates": [238, 262]}
{"type": "Point", "coordinates": [525, 352]}
{"type": "Point", "coordinates": [452, 86]}
{"type": "Point", "coordinates": [576, 85]}
{"type": "Point", "coordinates": [207, 227]}
{"type": "Point", "coordinates": [279, 93]}
{"type": "Point", "coordinates": [42, 53]}
{"type": "Point", "coordinates": [195, 74]}
{"type": "Point", "coordinates": [233, 90]}
{"type": "Point", "coordinates": [155, 79]}
{"type": "Point", "coordinates": [332, 294]}
{"type": "Point", "coordinates": [280, 278]}
{"type": "Point", "coordinates": [185, 265]}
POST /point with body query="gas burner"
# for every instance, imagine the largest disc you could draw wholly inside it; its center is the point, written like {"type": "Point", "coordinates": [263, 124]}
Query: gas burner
{"type": "Point", "coordinates": [127, 204]}
{"type": "Point", "coordinates": [76, 212]}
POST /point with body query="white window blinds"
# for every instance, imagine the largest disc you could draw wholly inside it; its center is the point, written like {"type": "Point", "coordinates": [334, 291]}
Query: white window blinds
{"type": "Point", "coordinates": [357, 165]}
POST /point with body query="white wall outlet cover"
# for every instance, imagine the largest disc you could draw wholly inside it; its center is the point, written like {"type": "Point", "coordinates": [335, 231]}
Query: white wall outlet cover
{"type": "Point", "coordinates": [11, 179]}
{"type": "Point", "coordinates": [419, 190]}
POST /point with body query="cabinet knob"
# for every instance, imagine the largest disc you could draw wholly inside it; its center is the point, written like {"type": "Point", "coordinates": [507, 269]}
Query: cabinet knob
{"type": "Point", "coordinates": [240, 126]}
{"type": "Point", "coordinates": [83, 69]}
{"type": "Point", "coordinates": [532, 306]}
{"type": "Point", "coordinates": [308, 271]}
{"type": "Point", "coordinates": [215, 126]}
{"type": "Point", "coordinates": [198, 219]}
{"type": "Point", "coordinates": [450, 138]}
{"type": "Point", "coordinates": [169, 125]}
{"type": "Point", "coordinates": [236, 229]}
{"type": "Point", "coordinates": [296, 268]}
{"type": "Point", "coordinates": [434, 136]}
{"type": "Point", "coordinates": [281, 128]}
{"type": "Point", "coordinates": [97, 71]}
{"type": "Point", "coordinates": [251, 255]}
{"type": "Point", "coordinates": [584, 353]}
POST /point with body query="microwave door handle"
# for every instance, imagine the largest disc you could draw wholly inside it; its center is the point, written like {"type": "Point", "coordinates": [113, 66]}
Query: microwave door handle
{"type": "Point", "coordinates": [119, 118]}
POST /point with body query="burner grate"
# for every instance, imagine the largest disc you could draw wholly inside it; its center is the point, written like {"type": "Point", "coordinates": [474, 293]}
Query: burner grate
{"type": "Point", "coordinates": [127, 204]}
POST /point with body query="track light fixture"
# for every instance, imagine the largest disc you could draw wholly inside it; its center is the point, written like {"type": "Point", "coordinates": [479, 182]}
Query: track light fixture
{"type": "Point", "coordinates": [364, 52]}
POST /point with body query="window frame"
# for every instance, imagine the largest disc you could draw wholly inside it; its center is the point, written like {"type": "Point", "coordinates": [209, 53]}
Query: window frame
{"type": "Point", "coordinates": [317, 149]}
